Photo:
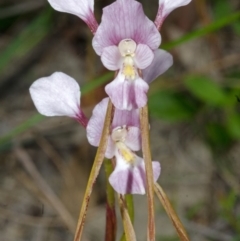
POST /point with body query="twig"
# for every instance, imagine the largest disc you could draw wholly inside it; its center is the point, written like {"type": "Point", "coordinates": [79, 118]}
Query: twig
{"type": "Point", "coordinates": [207, 232]}
{"type": "Point", "coordinates": [170, 212]}
{"type": "Point", "coordinates": [21, 8]}
{"type": "Point", "coordinates": [95, 171]}
{"type": "Point", "coordinates": [30, 220]}
{"type": "Point", "coordinates": [144, 123]}
{"type": "Point", "coordinates": [56, 203]}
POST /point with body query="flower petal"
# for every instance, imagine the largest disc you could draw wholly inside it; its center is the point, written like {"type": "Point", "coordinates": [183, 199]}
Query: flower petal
{"type": "Point", "coordinates": [95, 127]}
{"type": "Point", "coordinates": [81, 8]}
{"type": "Point", "coordinates": [125, 19]}
{"type": "Point", "coordinates": [143, 56]}
{"type": "Point", "coordinates": [166, 7]}
{"type": "Point", "coordinates": [131, 179]}
{"type": "Point", "coordinates": [133, 138]}
{"type": "Point", "coordinates": [161, 62]}
{"type": "Point", "coordinates": [126, 117]}
{"type": "Point", "coordinates": [56, 95]}
{"type": "Point", "coordinates": [111, 58]}
{"type": "Point", "coordinates": [127, 94]}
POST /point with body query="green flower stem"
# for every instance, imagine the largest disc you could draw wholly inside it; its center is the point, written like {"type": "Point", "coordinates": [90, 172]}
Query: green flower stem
{"type": "Point", "coordinates": [111, 221]}
{"type": "Point", "coordinates": [129, 233]}
{"type": "Point", "coordinates": [130, 208]}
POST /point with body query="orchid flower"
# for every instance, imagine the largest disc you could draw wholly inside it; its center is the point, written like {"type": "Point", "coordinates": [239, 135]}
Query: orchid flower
{"type": "Point", "coordinates": [166, 7]}
{"type": "Point", "coordinates": [128, 42]}
{"type": "Point", "coordinates": [81, 8]}
{"type": "Point", "coordinates": [129, 174]}
{"type": "Point", "coordinates": [58, 95]}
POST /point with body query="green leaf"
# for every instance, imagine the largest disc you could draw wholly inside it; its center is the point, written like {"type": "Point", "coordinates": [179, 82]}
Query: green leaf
{"type": "Point", "coordinates": [205, 89]}
{"type": "Point", "coordinates": [233, 125]}
{"type": "Point", "coordinates": [214, 26]}
{"type": "Point", "coordinates": [168, 106]}
{"type": "Point", "coordinates": [25, 42]}
{"type": "Point", "coordinates": [218, 136]}
{"type": "Point", "coordinates": [222, 8]}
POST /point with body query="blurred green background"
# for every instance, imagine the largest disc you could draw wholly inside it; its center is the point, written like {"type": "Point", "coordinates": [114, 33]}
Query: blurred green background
{"type": "Point", "coordinates": [195, 123]}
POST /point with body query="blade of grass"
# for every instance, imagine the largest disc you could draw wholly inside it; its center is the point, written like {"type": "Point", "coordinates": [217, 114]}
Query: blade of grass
{"type": "Point", "coordinates": [214, 26]}
{"type": "Point", "coordinates": [25, 42]}
{"type": "Point", "coordinates": [144, 125]}
{"type": "Point", "coordinates": [111, 221]}
{"type": "Point", "coordinates": [171, 213]}
{"type": "Point", "coordinates": [95, 171]}
{"type": "Point", "coordinates": [35, 119]}
{"type": "Point", "coordinates": [127, 223]}
{"type": "Point", "coordinates": [43, 186]}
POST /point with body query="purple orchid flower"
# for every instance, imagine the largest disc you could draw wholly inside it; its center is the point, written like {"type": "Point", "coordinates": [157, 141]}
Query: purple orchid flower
{"type": "Point", "coordinates": [129, 174]}
{"type": "Point", "coordinates": [58, 95]}
{"type": "Point", "coordinates": [128, 42]}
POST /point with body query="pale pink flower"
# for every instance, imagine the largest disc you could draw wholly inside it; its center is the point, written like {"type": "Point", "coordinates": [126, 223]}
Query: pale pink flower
{"type": "Point", "coordinates": [129, 174]}
{"type": "Point", "coordinates": [81, 8]}
{"type": "Point", "coordinates": [166, 7]}
{"type": "Point", "coordinates": [58, 95]}
{"type": "Point", "coordinates": [128, 42]}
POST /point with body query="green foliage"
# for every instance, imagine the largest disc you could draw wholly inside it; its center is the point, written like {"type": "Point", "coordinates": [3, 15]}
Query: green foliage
{"type": "Point", "coordinates": [217, 136]}
{"type": "Point", "coordinates": [221, 9]}
{"type": "Point", "coordinates": [24, 42]}
{"type": "Point", "coordinates": [205, 89]}
{"type": "Point", "coordinates": [214, 26]}
{"type": "Point", "coordinates": [169, 106]}
{"type": "Point", "coordinates": [233, 125]}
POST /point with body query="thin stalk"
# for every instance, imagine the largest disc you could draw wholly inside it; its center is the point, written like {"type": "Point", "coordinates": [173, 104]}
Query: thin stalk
{"type": "Point", "coordinates": [130, 208]}
{"type": "Point", "coordinates": [111, 221]}
{"type": "Point", "coordinates": [144, 123]}
{"type": "Point", "coordinates": [127, 223]}
{"type": "Point", "coordinates": [95, 171]}
{"type": "Point", "coordinates": [171, 213]}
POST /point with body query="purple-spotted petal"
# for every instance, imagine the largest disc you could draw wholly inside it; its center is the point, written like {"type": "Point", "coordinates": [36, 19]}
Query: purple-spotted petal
{"type": "Point", "coordinates": [143, 56]}
{"type": "Point", "coordinates": [127, 94]}
{"type": "Point", "coordinates": [162, 62]}
{"type": "Point", "coordinates": [111, 58]}
{"type": "Point", "coordinates": [56, 95]}
{"type": "Point", "coordinates": [166, 7]}
{"type": "Point", "coordinates": [131, 179]}
{"type": "Point", "coordinates": [81, 8]}
{"type": "Point", "coordinates": [125, 19]}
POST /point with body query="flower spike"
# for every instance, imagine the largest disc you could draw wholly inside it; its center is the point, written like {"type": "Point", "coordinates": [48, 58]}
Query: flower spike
{"type": "Point", "coordinates": [58, 95]}
{"type": "Point", "coordinates": [81, 8]}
